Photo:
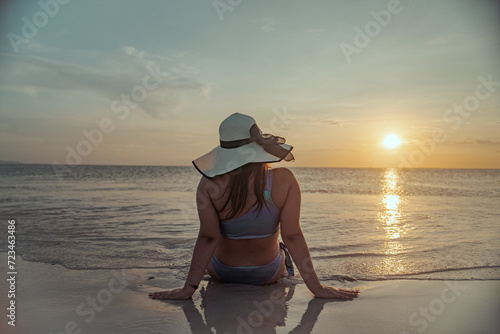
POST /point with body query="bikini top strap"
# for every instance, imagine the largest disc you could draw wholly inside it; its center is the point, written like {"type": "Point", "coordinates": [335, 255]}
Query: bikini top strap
{"type": "Point", "coordinates": [269, 179]}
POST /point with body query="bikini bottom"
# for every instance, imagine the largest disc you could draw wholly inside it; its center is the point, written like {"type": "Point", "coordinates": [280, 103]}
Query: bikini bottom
{"type": "Point", "coordinates": [247, 275]}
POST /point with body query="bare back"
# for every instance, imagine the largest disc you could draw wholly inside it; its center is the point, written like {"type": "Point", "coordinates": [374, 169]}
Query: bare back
{"type": "Point", "coordinates": [247, 252]}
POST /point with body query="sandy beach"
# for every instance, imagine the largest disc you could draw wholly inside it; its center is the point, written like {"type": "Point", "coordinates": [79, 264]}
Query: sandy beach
{"type": "Point", "coordinates": [53, 299]}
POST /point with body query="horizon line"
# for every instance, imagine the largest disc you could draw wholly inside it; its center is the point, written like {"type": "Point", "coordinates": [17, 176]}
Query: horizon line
{"type": "Point", "coordinates": [6, 163]}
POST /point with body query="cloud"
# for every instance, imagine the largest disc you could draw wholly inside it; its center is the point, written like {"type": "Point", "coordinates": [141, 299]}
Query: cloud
{"type": "Point", "coordinates": [317, 121]}
{"type": "Point", "coordinates": [334, 122]}
{"type": "Point", "coordinates": [479, 142]}
{"type": "Point", "coordinates": [111, 77]}
{"type": "Point", "coordinates": [314, 30]}
{"type": "Point", "coordinates": [266, 23]}
{"type": "Point", "coordinates": [437, 41]}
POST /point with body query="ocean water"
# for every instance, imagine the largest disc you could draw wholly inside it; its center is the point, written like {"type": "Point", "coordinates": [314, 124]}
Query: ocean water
{"type": "Point", "coordinates": [368, 224]}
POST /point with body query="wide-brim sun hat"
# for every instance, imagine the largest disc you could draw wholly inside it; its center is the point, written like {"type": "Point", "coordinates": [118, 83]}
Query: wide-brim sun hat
{"type": "Point", "coordinates": [241, 143]}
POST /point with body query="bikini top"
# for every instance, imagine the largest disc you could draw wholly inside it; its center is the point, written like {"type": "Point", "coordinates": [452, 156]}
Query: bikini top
{"type": "Point", "coordinates": [255, 224]}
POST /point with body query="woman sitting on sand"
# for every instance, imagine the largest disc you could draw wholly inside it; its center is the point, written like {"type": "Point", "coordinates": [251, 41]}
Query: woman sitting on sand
{"type": "Point", "coordinates": [243, 205]}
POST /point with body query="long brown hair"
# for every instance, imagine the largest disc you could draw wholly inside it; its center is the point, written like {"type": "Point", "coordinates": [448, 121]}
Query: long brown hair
{"type": "Point", "coordinates": [238, 187]}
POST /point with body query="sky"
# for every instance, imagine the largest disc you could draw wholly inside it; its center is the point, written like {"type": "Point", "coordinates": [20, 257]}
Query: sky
{"type": "Point", "coordinates": [124, 82]}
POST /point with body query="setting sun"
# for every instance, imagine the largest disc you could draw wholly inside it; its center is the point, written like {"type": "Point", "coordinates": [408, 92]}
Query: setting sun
{"type": "Point", "coordinates": [391, 141]}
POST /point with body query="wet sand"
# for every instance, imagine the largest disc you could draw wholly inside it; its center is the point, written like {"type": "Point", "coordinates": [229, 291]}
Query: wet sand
{"type": "Point", "coordinates": [53, 299]}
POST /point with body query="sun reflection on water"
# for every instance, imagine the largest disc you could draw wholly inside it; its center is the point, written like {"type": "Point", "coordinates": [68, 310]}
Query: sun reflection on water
{"type": "Point", "coordinates": [391, 217]}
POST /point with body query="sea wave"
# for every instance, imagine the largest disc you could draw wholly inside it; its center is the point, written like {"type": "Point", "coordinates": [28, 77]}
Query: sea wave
{"type": "Point", "coordinates": [380, 224]}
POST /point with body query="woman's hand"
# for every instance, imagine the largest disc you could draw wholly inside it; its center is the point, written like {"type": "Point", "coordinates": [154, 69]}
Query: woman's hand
{"type": "Point", "coordinates": [334, 293]}
{"type": "Point", "coordinates": [181, 293]}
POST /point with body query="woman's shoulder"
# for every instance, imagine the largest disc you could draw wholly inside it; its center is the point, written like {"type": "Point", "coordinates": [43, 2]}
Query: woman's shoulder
{"type": "Point", "coordinates": [283, 175]}
{"type": "Point", "coordinates": [211, 186]}
{"type": "Point", "coordinates": [283, 182]}
{"type": "Point", "coordinates": [282, 171]}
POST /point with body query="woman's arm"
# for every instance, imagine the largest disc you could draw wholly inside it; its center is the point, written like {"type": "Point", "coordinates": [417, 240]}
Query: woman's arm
{"type": "Point", "coordinates": [294, 240]}
{"type": "Point", "coordinates": [208, 238]}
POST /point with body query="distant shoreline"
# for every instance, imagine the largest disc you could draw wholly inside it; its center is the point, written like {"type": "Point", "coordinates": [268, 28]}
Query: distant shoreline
{"type": "Point", "coordinates": [9, 162]}
{"type": "Point", "coordinates": [292, 167]}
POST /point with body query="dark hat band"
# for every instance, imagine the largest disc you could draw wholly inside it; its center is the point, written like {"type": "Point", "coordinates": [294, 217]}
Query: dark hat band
{"type": "Point", "coordinates": [270, 143]}
{"type": "Point", "coordinates": [236, 143]}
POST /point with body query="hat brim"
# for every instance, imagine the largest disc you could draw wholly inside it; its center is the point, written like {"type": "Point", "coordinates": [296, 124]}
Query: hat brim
{"type": "Point", "coordinates": [223, 160]}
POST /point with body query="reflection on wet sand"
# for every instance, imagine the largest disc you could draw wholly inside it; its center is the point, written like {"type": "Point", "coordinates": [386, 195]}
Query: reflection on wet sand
{"type": "Point", "coordinates": [393, 224]}
{"type": "Point", "coordinates": [237, 308]}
